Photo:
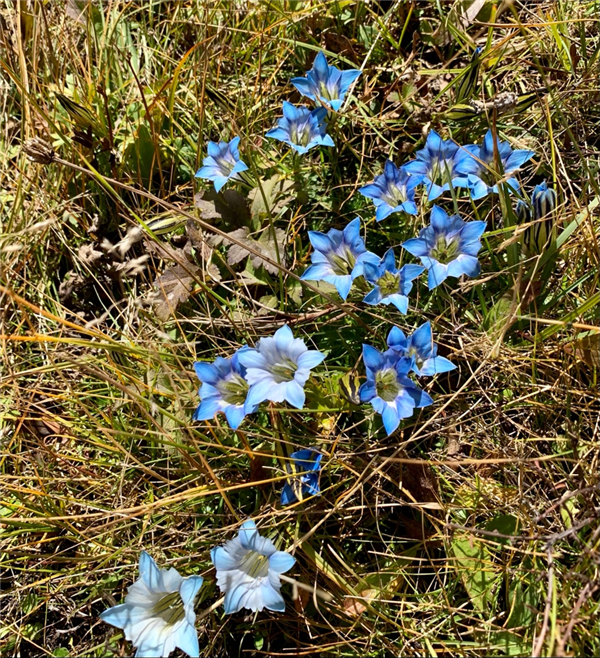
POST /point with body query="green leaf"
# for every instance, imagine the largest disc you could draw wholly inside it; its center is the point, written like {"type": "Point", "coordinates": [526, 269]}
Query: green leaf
{"type": "Point", "coordinates": [505, 524]}
{"type": "Point", "coordinates": [474, 563]}
{"type": "Point", "coordinates": [521, 604]}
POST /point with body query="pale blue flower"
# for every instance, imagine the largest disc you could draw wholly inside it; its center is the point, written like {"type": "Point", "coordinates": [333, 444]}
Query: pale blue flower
{"type": "Point", "coordinates": [326, 83]}
{"type": "Point", "coordinates": [392, 285]}
{"type": "Point", "coordinates": [438, 165]}
{"type": "Point", "coordinates": [447, 247]}
{"type": "Point", "coordinates": [222, 163]}
{"type": "Point", "coordinates": [481, 170]}
{"type": "Point", "coordinates": [388, 388]}
{"type": "Point", "coordinates": [248, 569]}
{"type": "Point", "coordinates": [158, 613]}
{"type": "Point", "coordinates": [301, 128]}
{"type": "Point", "coordinates": [393, 191]}
{"type": "Point", "coordinates": [278, 369]}
{"type": "Point", "coordinates": [420, 349]}
{"type": "Point", "coordinates": [224, 388]}
{"type": "Point", "coordinates": [304, 480]}
{"type": "Point", "coordinates": [339, 257]}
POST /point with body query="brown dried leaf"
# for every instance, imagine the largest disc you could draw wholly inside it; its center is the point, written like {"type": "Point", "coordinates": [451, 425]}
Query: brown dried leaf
{"type": "Point", "coordinates": [265, 245]}
{"type": "Point", "coordinates": [172, 288]}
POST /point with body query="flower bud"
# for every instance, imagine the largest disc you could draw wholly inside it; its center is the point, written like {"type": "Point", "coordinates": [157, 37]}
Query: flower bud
{"type": "Point", "coordinates": [540, 235]}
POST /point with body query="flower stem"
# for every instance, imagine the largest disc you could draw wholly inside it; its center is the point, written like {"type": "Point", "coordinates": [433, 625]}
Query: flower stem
{"type": "Point", "coordinates": [326, 596]}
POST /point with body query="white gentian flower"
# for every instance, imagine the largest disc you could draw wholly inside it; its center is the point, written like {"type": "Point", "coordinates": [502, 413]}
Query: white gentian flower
{"type": "Point", "coordinates": [248, 570]}
{"type": "Point", "coordinates": [158, 613]}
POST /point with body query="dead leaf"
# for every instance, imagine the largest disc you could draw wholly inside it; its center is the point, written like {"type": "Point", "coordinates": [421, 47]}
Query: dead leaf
{"type": "Point", "coordinates": [228, 209]}
{"type": "Point", "coordinates": [78, 10]}
{"type": "Point", "coordinates": [354, 607]}
{"type": "Point", "coordinates": [172, 288]}
{"type": "Point", "coordinates": [265, 245]}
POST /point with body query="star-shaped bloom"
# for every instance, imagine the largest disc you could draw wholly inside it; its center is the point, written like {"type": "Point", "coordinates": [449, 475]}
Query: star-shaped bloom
{"type": "Point", "coordinates": [339, 257]}
{"type": "Point", "coordinates": [304, 480]}
{"type": "Point", "coordinates": [326, 83]}
{"type": "Point", "coordinates": [447, 247]}
{"type": "Point", "coordinates": [301, 128]}
{"type": "Point", "coordinates": [158, 613]}
{"type": "Point", "coordinates": [420, 349]}
{"type": "Point", "coordinates": [392, 285]}
{"type": "Point", "coordinates": [438, 164]}
{"type": "Point", "coordinates": [248, 570]}
{"type": "Point", "coordinates": [224, 388]}
{"type": "Point", "coordinates": [222, 163]}
{"type": "Point", "coordinates": [388, 388]}
{"type": "Point", "coordinates": [278, 369]}
{"type": "Point", "coordinates": [480, 173]}
{"type": "Point", "coordinates": [393, 191]}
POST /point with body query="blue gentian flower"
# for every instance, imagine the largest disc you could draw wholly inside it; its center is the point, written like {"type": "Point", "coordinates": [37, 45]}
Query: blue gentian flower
{"type": "Point", "coordinates": [301, 128]}
{"type": "Point", "coordinates": [158, 613]}
{"type": "Point", "coordinates": [308, 464]}
{"type": "Point", "coordinates": [278, 369]}
{"type": "Point", "coordinates": [388, 388]}
{"type": "Point", "coordinates": [222, 163]}
{"type": "Point", "coordinates": [447, 247]}
{"type": "Point", "coordinates": [339, 257]}
{"type": "Point", "coordinates": [248, 570]}
{"type": "Point", "coordinates": [392, 191]}
{"type": "Point", "coordinates": [224, 388]}
{"type": "Point", "coordinates": [438, 165]}
{"type": "Point", "coordinates": [326, 83]}
{"type": "Point", "coordinates": [392, 285]}
{"type": "Point", "coordinates": [481, 171]}
{"type": "Point", "coordinates": [420, 349]}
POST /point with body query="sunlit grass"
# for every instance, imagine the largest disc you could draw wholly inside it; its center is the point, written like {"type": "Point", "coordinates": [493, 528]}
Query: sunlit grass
{"type": "Point", "coordinates": [472, 530]}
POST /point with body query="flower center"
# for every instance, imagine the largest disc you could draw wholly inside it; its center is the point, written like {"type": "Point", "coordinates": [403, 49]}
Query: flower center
{"type": "Point", "coordinates": [389, 283]}
{"type": "Point", "coordinates": [255, 565]}
{"type": "Point", "coordinates": [225, 163]}
{"type": "Point", "coordinates": [386, 384]}
{"type": "Point", "coordinates": [343, 262]}
{"type": "Point", "coordinates": [234, 389]}
{"type": "Point", "coordinates": [300, 133]}
{"type": "Point", "coordinates": [284, 370]}
{"type": "Point", "coordinates": [445, 250]}
{"type": "Point", "coordinates": [325, 93]}
{"type": "Point", "coordinates": [394, 195]}
{"type": "Point", "coordinates": [419, 361]}
{"type": "Point", "coordinates": [441, 171]}
{"type": "Point", "coordinates": [169, 608]}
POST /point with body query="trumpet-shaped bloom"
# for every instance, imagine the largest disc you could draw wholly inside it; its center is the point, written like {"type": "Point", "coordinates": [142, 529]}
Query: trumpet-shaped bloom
{"type": "Point", "coordinates": [326, 83]}
{"type": "Point", "coordinates": [304, 481]}
{"type": "Point", "coordinates": [447, 247]}
{"type": "Point", "coordinates": [482, 171]}
{"type": "Point", "coordinates": [278, 369]}
{"type": "Point", "coordinates": [158, 613]}
{"type": "Point", "coordinates": [393, 191]}
{"type": "Point", "coordinates": [224, 388]}
{"type": "Point", "coordinates": [222, 163]}
{"type": "Point", "coordinates": [301, 128]}
{"type": "Point", "coordinates": [248, 570]}
{"type": "Point", "coordinates": [392, 285]}
{"type": "Point", "coordinates": [339, 257]}
{"type": "Point", "coordinates": [388, 388]}
{"type": "Point", "coordinates": [420, 349]}
{"type": "Point", "coordinates": [439, 165]}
